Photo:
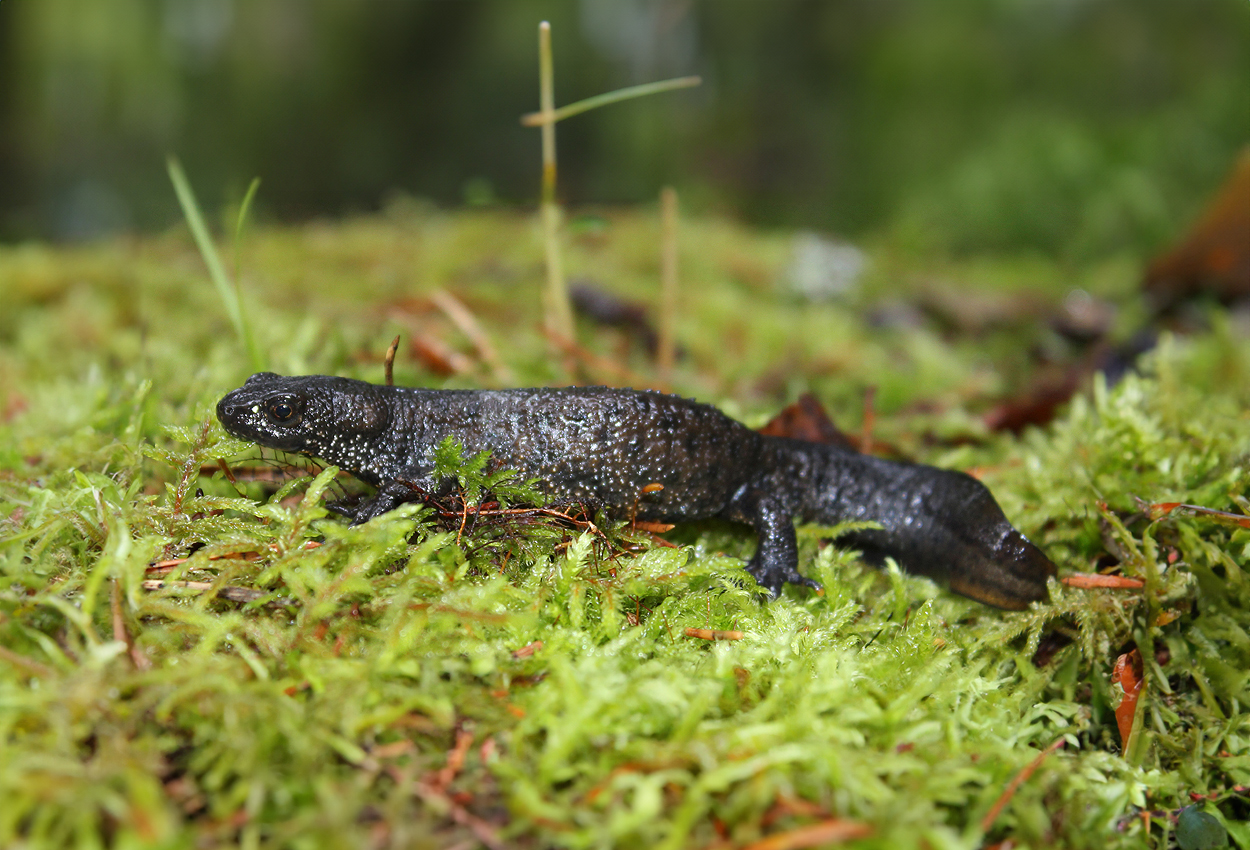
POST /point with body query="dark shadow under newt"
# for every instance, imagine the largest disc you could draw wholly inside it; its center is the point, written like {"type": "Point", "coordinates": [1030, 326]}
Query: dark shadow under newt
{"type": "Point", "coordinates": [601, 447]}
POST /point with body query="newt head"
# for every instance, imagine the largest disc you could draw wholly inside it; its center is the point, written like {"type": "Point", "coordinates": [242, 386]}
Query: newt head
{"type": "Point", "coordinates": [1012, 577]}
{"type": "Point", "coordinates": [310, 414]}
{"type": "Point", "coordinates": [270, 410]}
{"type": "Point", "coordinates": [986, 557]}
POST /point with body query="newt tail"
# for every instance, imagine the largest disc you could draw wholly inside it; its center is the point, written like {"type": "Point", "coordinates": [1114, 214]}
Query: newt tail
{"type": "Point", "coordinates": [604, 447]}
{"type": "Point", "coordinates": [936, 522]}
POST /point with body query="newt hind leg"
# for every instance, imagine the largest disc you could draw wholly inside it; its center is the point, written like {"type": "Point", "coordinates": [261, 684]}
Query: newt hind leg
{"type": "Point", "coordinates": [776, 560]}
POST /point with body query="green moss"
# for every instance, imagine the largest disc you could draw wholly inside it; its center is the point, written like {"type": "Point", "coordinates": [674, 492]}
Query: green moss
{"type": "Point", "coordinates": [268, 693]}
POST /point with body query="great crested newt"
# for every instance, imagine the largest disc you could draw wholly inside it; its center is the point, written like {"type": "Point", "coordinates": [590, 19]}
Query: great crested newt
{"type": "Point", "coordinates": [602, 447]}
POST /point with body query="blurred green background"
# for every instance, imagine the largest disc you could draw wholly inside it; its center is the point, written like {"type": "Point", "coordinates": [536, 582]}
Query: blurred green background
{"type": "Point", "coordinates": [1070, 127]}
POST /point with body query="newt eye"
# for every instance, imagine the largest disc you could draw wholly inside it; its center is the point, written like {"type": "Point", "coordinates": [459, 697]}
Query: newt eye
{"type": "Point", "coordinates": [282, 411]}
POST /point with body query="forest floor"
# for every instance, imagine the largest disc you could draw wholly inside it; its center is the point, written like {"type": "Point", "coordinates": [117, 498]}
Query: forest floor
{"type": "Point", "coordinates": [190, 659]}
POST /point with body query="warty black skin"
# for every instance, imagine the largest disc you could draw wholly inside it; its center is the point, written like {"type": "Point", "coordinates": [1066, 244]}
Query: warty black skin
{"type": "Point", "coordinates": [601, 447]}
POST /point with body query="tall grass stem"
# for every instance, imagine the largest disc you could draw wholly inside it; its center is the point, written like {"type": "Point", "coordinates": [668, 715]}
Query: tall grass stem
{"type": "Point", "coordinates": [227, 290]}
{"type": "Point", "coordinates": [559, 313]}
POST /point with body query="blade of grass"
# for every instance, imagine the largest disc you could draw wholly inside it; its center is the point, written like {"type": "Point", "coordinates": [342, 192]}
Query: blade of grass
{"type": "Point", "coordinates": [536, 119]}
{"type": "Point", "coordinates": [226, 288]}
{"type": "Point", "coordinates": [244, 209]}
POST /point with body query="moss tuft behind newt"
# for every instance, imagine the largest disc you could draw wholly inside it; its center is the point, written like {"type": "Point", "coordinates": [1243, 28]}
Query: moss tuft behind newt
{"type": "Point", "coordinates": [603, 446]}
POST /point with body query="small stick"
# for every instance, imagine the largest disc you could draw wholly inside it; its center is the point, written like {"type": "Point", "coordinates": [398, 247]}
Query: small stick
{"type": "Point", "coordinates": [121, 633]}
{"type": "Point", "coordinates": [482, 830]}
{"type": "Point", "coordinates": [115, 604]}
{"type": "Point", "coordinates": [1014, 785]}
{"type": "Point", "coordinates": [463, 319]}
{"type": "Point", "coordinates": [464, 520]}
{"type": "Point", "coordinates": [666, 347]}
{"type": "Point", "coordinates": [157, 584]}
{"type": "Point", "coordinates": [653, 487]}
{"type": "Point", "coordinates": [527, 650]}
{"type": "Point", "coordinates": [226, 471]}
{"type": "Point", "coordinates": [455, 760]}
{"type": "Point", "coordinates": [439, 357]}
{"type": "Point", "coordinates": [390, 361]}
{"type": "Point", "coordinates": [1158, 510]}
{"type": "Point", "coordinates": [602, 364]}
{"type": "Point", "coordinates": [255, 473]}
{"type": "Point", "coordinates": [119, 622]}
{"type": "Point", "coordinates": [1128, 674]}
{"type": "Point", "coordinates": [1088, 580]}
{"type": "Point", "coordinates": [834, 831]}
{"type": "Point", "coordinates": [232, 594]}
{"type": "Point", "coordinates": [43, 671]}
{"type": "Point", "coordinates": [170, 563]}
{"type": "Point", "coordinates": [714, 634]}
{"type": "Point", "coordinates": [559, 312]}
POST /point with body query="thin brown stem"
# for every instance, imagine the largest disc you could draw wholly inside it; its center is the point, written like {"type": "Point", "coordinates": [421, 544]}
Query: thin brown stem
{"type": "Point", "coordinates": [559, 314]}
{"type": "Point", "coordinates": [390, 361]}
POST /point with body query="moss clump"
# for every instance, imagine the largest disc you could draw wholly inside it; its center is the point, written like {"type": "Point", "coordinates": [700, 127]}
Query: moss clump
{"type": "Point", "coordinates": [179, 666]}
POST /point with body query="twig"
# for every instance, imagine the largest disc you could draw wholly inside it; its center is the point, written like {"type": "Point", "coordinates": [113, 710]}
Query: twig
{"type": "Point", "coordinates": [601, 364]}
{"type": "Point", "coordinates": [121, 633]}
{"type": "Point", "coordinates": [482, 830]}
{"type": "Point", "coordinates": [464, 319]}
{"type": "Point", "coordinates": [559, 314]}
{"type": "Point", "coordinates": [647, 489]}
{"type": "Point", "coordinates": [269, 472]}
{"type": "Point", "coordinates": [233, 594]}
{"type": "Point", "coordinates": [439, 357]}
{"type": "Point", "coordinates": [464, 519]}
{"type": "Point", "coordinates": [1128, 674]}
{"type": "Point", "coordinates": [1014, 785]}
{"type": "Point", "coordinates": [158, 584]}
{"type": "Point", "coordinates": [1088, 580]}
{"type": "Point", "coordinates": [389, 363]}
{"type": "Point", "coordinates": [527, 650]}
{"type": "Point", "coordinates": [119, 624]}
{"type": "Point", "coordinates": [714, 634]}
{"type": "Point", "coordinates": [226, 471]}
{"type": "Point", "coordinates": [786, 806]}
{"type": "Point", "coordinates": [1158, 510]}
{"type": "Point", "coordinates": [43, 671]}
{"type": "Point", "coordinates": [814, 835]}
{"type": "Point", "coordinates": [249, 555]}
{"type": "Point", "coordinates": [463, 613]}
{"type": "Point", "coordinates": [455, 759]}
